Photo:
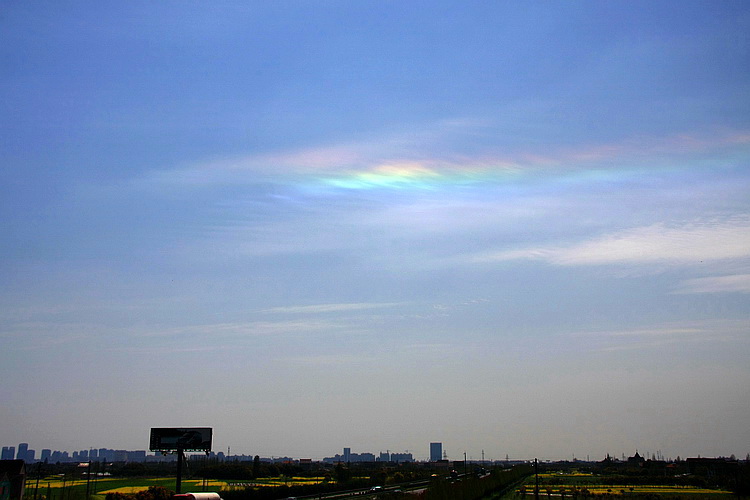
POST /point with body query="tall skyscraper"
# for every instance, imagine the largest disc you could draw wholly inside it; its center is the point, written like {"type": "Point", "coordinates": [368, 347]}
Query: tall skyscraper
{"type": "Point", "coordinates": [9, 453]}
{"type": "Point", "coordinates": [436, 452]}
{"type": "Point", "coordinates": [347, 454]}
{"type": "Point", "coordinates": [46, 453]}
{"type": "Point", "coordinates": [23, 448]}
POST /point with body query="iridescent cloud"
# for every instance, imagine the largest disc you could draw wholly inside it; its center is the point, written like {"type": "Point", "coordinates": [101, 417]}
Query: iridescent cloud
{"type": "Point", "coordinates": [366, 167]}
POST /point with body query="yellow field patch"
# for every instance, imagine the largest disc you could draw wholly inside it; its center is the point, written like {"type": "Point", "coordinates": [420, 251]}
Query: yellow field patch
{"type": "Point", "coordinates": [617, 489]}
{"type": "Point", "coordinates": [54, 483]}
{"type": "Point", "coordinates": [124, 489]}
{"type": "Point", "coordinates": [274, 481]}
{"type": "Point", "coordinates": [187, 484]}
{"type": "Point", "coordinates": [209, 482]}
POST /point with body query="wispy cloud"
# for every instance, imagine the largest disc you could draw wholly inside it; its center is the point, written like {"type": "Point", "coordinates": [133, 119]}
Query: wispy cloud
{"type": "Point", "coordinates": [328, 308]}
{"type": "Point", "coordinates": [408, 159]}
{"type": "Point", "coordinates": [45, 335]}
{"type": "Point", "coordinates": [655, 244]}
{"type": "Point", "coordinates": [662, 331]}
{"type": "Point", "coordinates": [242, 329]}
{"type": "Point", "coordinates": [329, 360]}
{"type": "Point", "coordinates": [662, 335]}
{"type": "Point", "coordinates": [40, 335]}
{"type": "Point", "coordinates": [737, 283]}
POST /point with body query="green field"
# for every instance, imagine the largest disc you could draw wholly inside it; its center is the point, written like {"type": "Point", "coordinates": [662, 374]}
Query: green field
{"type": "Point", "coordinates": [57, 488]}
{"type": "Point", "coordinates": [623, 490]}
{"type": "Point", "coordinates": [579, 484]}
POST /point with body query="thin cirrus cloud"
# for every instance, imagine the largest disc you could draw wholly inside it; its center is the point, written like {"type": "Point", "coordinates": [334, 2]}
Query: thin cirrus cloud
{"type": "Point", "coordinates": [693, 332]}
{"type": "Point", "coordinates": [327, 308]}
{"type": "Point", "coordinates": [655, 244]}
{"type": "Point", "coordinates": [737, 283]}
{"type": "Point", "coordinates": [392, 163]}
{"type": "Point", "coordinates": [242, 329]}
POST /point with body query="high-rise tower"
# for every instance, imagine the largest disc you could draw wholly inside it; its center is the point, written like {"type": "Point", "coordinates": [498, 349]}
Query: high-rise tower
{"type": "Point", "coordinates": [436, 452]}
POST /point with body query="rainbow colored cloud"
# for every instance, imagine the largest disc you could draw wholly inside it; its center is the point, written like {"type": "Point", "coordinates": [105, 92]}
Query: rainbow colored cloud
{"type": "Point", "coordinates": [365, 166]}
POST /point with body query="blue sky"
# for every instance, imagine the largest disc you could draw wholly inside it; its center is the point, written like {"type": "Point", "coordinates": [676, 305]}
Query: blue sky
{"type": "Point", "coordinates": [523, 229]}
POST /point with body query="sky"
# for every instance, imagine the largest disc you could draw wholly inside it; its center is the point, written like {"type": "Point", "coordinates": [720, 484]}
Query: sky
{"type": "Point", "coordinates": [519, 229]}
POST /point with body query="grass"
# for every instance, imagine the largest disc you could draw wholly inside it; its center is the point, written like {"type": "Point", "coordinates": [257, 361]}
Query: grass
{"type": "Point", "coordinates": [54, 488]}
{"type": "Point", "coordinates": [617, 489]}
{"type": "Point", "coordinates": [102, 486]}
{"type": "Point", "coordinates": [592, 483]}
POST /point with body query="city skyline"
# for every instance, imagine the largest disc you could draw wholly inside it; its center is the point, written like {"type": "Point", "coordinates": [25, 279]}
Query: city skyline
{"type": "Point", "coordinates": [517, 228]}
{"type": "Point", "coordinates": [435, 453]}
{"type": "Point", "coordinates": [108, 454]}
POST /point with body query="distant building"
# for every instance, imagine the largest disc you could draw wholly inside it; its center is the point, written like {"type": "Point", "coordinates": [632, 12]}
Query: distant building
{"type": "Point", "coordinates": [636, 460]}
{"type": "Point", "coordinates": [348, 456]}
{"type": "Point", "coordinates": [9, 453]}
{"type": "Point", "coordinates": [436, 452]}
{"type": "Point", "coordinates": [401, 457]}
{"type": "Point", "coordinates": [23, 448]}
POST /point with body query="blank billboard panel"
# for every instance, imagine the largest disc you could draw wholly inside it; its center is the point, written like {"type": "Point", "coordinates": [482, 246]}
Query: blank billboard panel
{"type": "Point", "coordinates": [185, 438]}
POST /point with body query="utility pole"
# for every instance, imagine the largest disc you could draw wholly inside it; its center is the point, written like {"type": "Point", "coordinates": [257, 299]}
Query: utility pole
{"type": "Point", "coordinates": [178, 485]}
{"type": "Point", "coordinates": [536, 479]}
{"type": "Point", "coordinates": [88, 481]}
{"type": "Point", "coordinates": [38, 476]}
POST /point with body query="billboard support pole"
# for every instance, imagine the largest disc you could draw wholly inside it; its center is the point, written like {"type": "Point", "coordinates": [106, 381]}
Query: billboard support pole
{"type": "Point", "coordinates": [179, 469]}
{"type": "Point", "coordinates": [180, 440]}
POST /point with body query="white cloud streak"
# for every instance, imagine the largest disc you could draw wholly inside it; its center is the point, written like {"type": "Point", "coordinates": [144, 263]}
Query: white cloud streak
{"type": "Point", "coordinates": [655, 244]}
{"type": "Point", "coordinates": [662, 335]}
{"type": "Point", "coordinates": [327, 308]}
{"type": "Point", "coordinates": [738, 283]}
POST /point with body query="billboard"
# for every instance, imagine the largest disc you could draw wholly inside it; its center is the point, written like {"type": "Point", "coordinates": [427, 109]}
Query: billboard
{"type": "Point", "coordinates": [185, 438]}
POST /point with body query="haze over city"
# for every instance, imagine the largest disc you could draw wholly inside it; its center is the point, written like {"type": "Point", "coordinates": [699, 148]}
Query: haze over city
{"type": "Point", "coordinates": [522, 229]}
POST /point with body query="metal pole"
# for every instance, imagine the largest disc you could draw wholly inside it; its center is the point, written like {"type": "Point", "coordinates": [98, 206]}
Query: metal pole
{"type": "Point", "coordinates": [536, 479]}
{"type": "Point", "coordinates": [96, 476]}
{"type": "Point", "coordinates": [179, 469]}
{"type": "Point", "coordinates": [88, 480]}
{"type": "Point", "coordinates": [38, 475]}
